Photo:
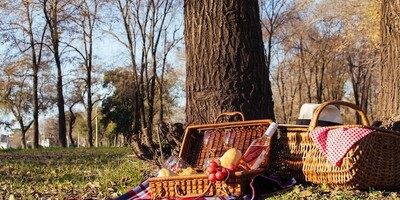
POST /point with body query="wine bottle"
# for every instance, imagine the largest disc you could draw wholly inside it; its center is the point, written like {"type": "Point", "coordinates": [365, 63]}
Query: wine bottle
{"type": "Point", "coordinates": [258, 150]}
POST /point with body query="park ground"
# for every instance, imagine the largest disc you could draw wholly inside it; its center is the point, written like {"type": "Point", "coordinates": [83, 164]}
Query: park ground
{"type": "Point", "coordinates": [106, 173]}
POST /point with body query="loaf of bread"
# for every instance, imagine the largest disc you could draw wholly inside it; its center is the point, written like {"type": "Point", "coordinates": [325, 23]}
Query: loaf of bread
{"type": "Point", "coordinates": [164, 172]}
{"type": "Point", "coordinates": [232, 156]}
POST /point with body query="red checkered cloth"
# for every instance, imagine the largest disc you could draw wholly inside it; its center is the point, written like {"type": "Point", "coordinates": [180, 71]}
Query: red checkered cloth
{"type": "Point", "coordinates": [335, 143]}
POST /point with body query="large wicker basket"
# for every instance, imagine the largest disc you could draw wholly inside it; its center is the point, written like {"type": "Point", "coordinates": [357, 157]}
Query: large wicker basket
{"type": "Point", "coordinates": [194, 151]}
{"type": "Point", "coordinates": [290, 144]}
{"type": "Point", "coordinates": [373, 162]}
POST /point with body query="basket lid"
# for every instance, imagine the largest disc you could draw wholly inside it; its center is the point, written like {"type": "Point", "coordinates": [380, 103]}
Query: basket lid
{"type": "Point", "coordinates": [329, 116]}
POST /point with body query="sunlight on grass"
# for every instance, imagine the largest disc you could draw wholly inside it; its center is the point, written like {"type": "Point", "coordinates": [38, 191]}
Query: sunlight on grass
{"type": "Point", "coordinates": [65, 173]}
{"type": "Point", "coordinates": [105, 173]}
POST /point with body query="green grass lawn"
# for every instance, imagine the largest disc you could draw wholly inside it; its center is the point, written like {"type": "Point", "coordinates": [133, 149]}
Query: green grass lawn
{"type": "Point", "coordinates": [97, 173]}
{"type": "Point", "coordinates": [105, 173]}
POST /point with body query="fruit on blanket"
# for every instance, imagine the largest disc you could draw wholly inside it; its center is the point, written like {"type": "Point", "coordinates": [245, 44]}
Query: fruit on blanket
{"type": "Point", "coordinates": [164, 172]}
{"type": "Point", "coordinates": [232, 156]}
{"type": "Point", "coordinates": [188, 171]}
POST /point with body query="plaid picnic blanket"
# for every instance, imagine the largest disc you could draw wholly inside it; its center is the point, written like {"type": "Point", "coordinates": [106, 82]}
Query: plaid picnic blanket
{"type": "Point", "coordinates": [335, 143]}
{"type": "Point", "coordinates": [260, 184]}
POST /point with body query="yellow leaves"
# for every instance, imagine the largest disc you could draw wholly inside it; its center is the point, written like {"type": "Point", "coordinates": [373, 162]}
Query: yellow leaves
{"type": "Point", "coordinates": [306, 193]}
{"type": "Point", "coordinates": [93, 185]}
{"type": "Point", "coordinates": [11, 197]}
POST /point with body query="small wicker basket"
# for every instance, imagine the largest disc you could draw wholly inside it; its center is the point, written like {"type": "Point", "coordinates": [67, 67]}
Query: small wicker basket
{"type": "Point", "coordinates": [194, 151]}
{"type": "Point", "coordinates": [372, 162]}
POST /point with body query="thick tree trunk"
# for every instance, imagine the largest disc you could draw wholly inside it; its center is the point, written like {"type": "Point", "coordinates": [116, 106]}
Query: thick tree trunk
{"type": "Point", "coordinates": [225, 63]}
{"type": "Point", "coordinates": [389, 96]}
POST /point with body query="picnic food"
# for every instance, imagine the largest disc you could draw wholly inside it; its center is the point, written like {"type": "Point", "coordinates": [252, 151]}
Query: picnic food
{"type": "Point", "coordinates": [164, 172]}
{"type": "Point", "coordinates": [188, 171]}
{"type": "Point", "coordinates": [216, 172]}
{"type": "Point", "coordinates": [232, 156]}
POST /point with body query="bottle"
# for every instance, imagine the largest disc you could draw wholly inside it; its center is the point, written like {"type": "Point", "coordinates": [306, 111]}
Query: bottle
{"type": "Point", "coordinates": [258, 150]}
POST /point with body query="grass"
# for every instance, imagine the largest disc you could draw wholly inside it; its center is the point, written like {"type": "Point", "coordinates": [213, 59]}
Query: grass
{"type": "Point", "coordinates": [105, 173]}
{"type": "Point", "coordinates": [56, 173]}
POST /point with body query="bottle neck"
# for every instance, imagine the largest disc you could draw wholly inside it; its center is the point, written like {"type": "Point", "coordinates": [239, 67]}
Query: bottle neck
{"type": "Point", "coordinates": [271, 129]}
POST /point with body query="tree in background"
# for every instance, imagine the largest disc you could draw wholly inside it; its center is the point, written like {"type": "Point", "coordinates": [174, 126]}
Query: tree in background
{"type": "Point", "coordinates": [36, 45]}
{"type": "Point", "coordinates": [119, 108]}
{"type": "Point", "coordinates": [25, 38]}
{"type": "Point", "coordinates": [52, 11]}
{"type": "Point", "coordinates": [86, 20]}
{"type": "Point", "coordinates": [327, 51]}
{"type": "Point", "coordinates": [225, 65]}
{"type": "Point", "coordinates": [146, 25]}
{"type": "Point", "coordinates": [276, 19]}
{"type": "Point", "coordinates": [389, 87]}
{"type": "Point", "coordinates": [316, 51]}
{"type": "Point", "coordinates": [16, 95]}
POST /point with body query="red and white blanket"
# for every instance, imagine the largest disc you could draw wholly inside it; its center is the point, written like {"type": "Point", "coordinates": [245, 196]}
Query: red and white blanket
{"type": "Point", "coordinates": [335, 143]}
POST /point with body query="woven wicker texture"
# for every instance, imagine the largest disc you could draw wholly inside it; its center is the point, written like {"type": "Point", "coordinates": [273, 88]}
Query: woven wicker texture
{"type": "Point", "coordinates": [374, 161]}
{"type": "Point", "coordinates": [195, 151]}
{"type": "Point", "coordinates": [290, 144]}
{"type": "Point", "coordinates": [199, 185]}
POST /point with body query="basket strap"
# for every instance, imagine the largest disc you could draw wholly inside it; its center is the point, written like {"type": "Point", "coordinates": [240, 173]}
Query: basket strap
{"type": "Point", "coordinates": [317, 112]}
{"type": "Point", "coordinates": [229, 114]}
{"type": "Point", "coordinates": [179, 195]}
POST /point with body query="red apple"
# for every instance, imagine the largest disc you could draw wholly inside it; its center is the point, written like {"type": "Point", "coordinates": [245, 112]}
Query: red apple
{"type": "Point", "coordinates": [213, 164]}
{"type": "Point", "coordinates": [217, 161]}
{"type": "Point", "coordinates": [232, 168]}
{"type": "Point", "coordinates": [211, 169]}
{"type": "Point", "coordinates": [219, 175]}
{"type": "Point", "coordinates": [212, 178]}
{"type": "Point", "coordinates": [224, 171]}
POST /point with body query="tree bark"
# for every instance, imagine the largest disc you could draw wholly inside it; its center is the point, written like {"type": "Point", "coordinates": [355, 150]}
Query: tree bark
{"type": "Point", "coordinates": [225, 63]}
{"type": "Point", "coordinates": [388, 103]}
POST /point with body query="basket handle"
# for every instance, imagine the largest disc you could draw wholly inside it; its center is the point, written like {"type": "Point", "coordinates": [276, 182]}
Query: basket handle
{"type": "Point", "coordinates": [317, 112]}
{"type": "Point", "coordinates": [229, 114]}
{"type": "Point", "coordinates": [179, 195]}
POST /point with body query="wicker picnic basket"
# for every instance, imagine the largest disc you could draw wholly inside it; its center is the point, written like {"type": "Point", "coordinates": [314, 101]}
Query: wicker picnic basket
{"type": "Point", "coordinates": [373, 162]}
{"type": "Point", "coordinates": [290, 144]}
{"type": "Point", "coordinates": [194, 151]}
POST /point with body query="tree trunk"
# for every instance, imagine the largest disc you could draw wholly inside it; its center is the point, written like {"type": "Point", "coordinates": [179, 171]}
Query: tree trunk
{"type": "Point", "coordinates": [36, 60]}
{"type": "Point", "coordinates": [23, 140]}
{"type": "Point", "coordinates": [51, 15]}
{"type": "Point", "coordinates": [225, 63]}
{"type": "Point", "coordinates": [389, 93]}
{"type": "Point", "coordinates": [72, 120]}
{"type": "Point", "coordinates": [35, 108]}
{"type": "Point", "coordinates": [62, 131]}
{"type": "Point", "coordinates": [90, 106]}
